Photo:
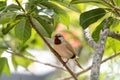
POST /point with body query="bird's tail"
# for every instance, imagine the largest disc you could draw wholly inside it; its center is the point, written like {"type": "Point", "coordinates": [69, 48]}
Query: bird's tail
{"type": "Point", "coordinates": [78, 64]}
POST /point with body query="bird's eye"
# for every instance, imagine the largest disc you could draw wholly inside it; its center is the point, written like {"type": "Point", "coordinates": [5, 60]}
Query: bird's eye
{"type": "Point", "coordinates": [59, 36]}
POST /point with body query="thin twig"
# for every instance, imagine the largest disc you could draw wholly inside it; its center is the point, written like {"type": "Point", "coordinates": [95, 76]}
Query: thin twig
{"type": "Point", "coordinates": [31, 59]}
{"type": "Point", "coordinates": [115, 7]}
{"type": "Point", "coordinates": [20, 5]}
{"type": "Point", "coordinates": [114, 35]}
{"type": "Point", "coordinates": [89, 68]}
{"type": "Point", "coordinates": [89, 38]}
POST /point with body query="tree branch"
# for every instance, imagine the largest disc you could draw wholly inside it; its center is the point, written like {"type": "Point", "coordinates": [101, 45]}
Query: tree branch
{"type": "Point", "coordinates": [31, 59]}
{"type": "Point", "coordinates": [89, 38]}
{"type": "Point", "coordinates": [111, 5]}
{"type": "Point", "coordinates": [20, 5]}
{"type": "Point", "coordinates": [99, 50]}
{"type": "Point", "coordinates": [114, 35]}
{"type": "Point", "coordinates": [89, 68]}
{"type": "Point", "coordinates": [50, 47]}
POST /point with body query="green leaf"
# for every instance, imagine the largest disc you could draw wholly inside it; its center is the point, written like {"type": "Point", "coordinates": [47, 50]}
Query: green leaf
{"type": "Point", "coordinates": [23, 30]}
{"type": "Point", "coordinates": [12, 7]}
{"type": "Point", "coordinates": [7, 17]}
{"type": "Point", "coordinates": [117, 2]}
{"type": "Point", "coordinates": [31, 6]}
{"type": "Point", "coordinates": [14, 62]}
{"type": "Point", "coordinates": [48, 27]}
{"type": "Point", "coordinates": [17, 60]}
{"type": "Point", "coordinates": [3, 47]}
{"type": "Point", "coordinates": [4, 66]}
{"type": "Point", "coordinates": [63, 16]}
{"type": "Point", "coordinates": [2, 63]}
{"type": "Point", "coordinates": [89, 17]}
{"type": "Point", "coordinates": [40, 28]}
{"type": "Point", "coordinates": [84, 1]}
{"type": "Point", "coordinates": [66, 3]}
{"type": "Point", "coordinates": [2, 5]}
{"type": "Point", "coordinates": [97, 30]}
{"type": "Point", "coordinates": [114, 45]}
{"type": "Point", "coordinates": [9, 26]}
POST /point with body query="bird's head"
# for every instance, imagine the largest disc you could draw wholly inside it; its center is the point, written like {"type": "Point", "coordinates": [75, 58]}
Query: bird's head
{"type": "Point", "coordinates": [58, 38]}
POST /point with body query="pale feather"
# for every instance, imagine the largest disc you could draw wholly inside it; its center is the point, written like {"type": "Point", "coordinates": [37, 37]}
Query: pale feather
{"type": "Point", "coordinates": [65, 50]}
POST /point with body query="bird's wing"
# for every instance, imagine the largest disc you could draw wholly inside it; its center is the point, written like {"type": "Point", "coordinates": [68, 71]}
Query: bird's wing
{"type": "Point", "coordinates": [70, 48]}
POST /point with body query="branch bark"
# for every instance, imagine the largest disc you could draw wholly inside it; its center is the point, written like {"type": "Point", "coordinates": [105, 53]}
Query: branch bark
{"type": "Point", "coordinates": [89, 38]}
{"type": "Point", "coordinates": [99, 50]}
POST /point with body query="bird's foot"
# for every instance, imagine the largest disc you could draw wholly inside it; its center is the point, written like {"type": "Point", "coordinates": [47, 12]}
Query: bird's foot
{"type": "Point", "coordinates": [66, 62]}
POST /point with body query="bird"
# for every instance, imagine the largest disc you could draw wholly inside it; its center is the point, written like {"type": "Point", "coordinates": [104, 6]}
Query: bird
{"type": "Point", "coordinates": [64, 49]}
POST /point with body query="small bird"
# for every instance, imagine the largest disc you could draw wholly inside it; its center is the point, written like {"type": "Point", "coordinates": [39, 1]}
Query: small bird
{"type": "Point", "coordinates": [64, 49]}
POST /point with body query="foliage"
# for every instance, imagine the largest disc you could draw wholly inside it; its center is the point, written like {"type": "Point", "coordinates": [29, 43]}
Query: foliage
{"type": "Point", "coordinates": [46, 15]}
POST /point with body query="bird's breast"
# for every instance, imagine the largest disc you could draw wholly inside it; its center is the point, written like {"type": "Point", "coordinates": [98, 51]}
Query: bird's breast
{"type": "Point", "coordinates": [63, 51]}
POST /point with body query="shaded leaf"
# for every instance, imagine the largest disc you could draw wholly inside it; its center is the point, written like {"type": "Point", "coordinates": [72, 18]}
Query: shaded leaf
{"type": "Point", "coordinates": [17, 60]}
{"type": "Point", "coordinates": [7, 17]}
{"type": "Point", "coordinates": [97, 30]}
{"type": "Point", "coordinates": [31, 6]}
{"type": "Point", "coordinates": [2, 63]}
{"type": "Point", "coordinates": [9, 26]}
{"type": "Point", "coordinates": [89, 17]}
{"type": "Point", "coordinates": [84, 1]}
{"type": "Point", "coordinates": [67, 4]}
{"type": "Point", "coordinates": [47, 26]}
{"type": "Point", "coordinates": [4, 66]}
{"type": "Point", "coordinates": [3, 47]}
{"type": "Point", "coordinates": [14, 62]}
{"type": "Point", "coordinates": [23, 30]}
{"type": "Point", "coordinates": [63, 16]}
{"type": "Point", "coordinates": [40, 28]}
{"type": "Point", "coordinates": [2, 5]}
{"type": "Point", "coordinates": [12, 7]}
